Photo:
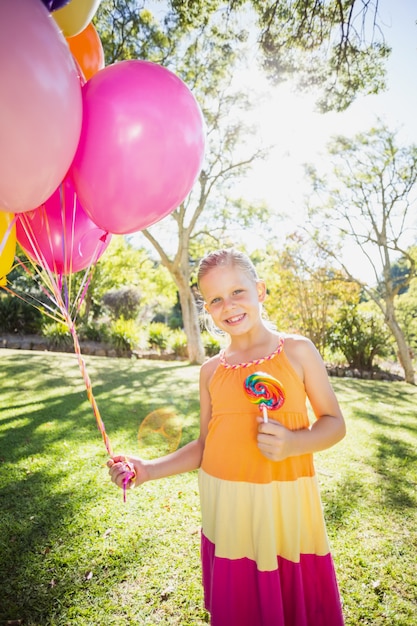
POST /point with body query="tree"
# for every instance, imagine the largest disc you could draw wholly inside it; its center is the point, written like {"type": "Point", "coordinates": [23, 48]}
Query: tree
{"type": "Point", "coordinates": [201, 43]}
{"type": "Point", "coordinates": [206, 60]}
{"type": "Point", "coordinates": [406, 302]}
{"type": "Point", "coordinates": [336, 46]}
{"type": "Point", "coordinates": [304, 296]}
{"type": "Point", "coordinates": [124, 267]}
{"type": "Point", "coordinates": [368, 202]}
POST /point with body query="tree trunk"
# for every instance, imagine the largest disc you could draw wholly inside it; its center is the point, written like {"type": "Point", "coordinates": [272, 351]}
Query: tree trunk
{"type": "Point", "coordinates": [404, 352]}
{"type": "Point", "coordinates": [191, 323]}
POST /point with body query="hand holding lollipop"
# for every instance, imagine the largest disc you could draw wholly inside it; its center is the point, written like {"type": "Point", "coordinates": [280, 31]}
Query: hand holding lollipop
{"type": "Point", "coordinates": [266, 391]}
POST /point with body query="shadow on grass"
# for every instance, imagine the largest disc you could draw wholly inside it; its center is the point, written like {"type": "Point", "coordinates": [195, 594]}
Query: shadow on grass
{"type": "Point", "coordinates": [125, 395]}
{"type": "Point", "coordinates": [45, 418]}
{"type": "Point", "coordinates": [48, 546]}
{"type": "Point", "coordinates": [382, 403]}
{"type": "Point", "coordinates": [396, 463]}
{"type": "Point", "coordinates": [32, 517]}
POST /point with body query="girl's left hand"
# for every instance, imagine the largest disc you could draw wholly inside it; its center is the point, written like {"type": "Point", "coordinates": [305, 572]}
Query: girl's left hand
{"type": "Point", "coordinates": [274, 440]}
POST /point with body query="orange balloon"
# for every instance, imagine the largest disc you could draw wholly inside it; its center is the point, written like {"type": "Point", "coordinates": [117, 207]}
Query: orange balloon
{"type": "Point", "coordinates": [7, 244]}
{"type": "Point", "coordinates": [87, 50]}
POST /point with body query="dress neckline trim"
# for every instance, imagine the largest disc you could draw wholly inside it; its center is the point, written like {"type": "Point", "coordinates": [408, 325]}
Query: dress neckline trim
{"type": "Point", "coordinates": [236, 366]}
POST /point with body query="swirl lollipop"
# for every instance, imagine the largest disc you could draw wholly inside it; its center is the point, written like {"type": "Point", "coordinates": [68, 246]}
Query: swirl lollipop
{"type": "Point", "coordinates": [266, 391]}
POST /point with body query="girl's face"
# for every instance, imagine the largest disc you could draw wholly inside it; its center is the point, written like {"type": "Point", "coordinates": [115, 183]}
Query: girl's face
{"type": "Point", "coordinates": [232, 298]}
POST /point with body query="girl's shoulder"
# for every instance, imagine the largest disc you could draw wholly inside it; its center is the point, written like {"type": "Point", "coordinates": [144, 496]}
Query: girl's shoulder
{"type": "Point", "coordinates": [301, 352]}
{"type": "Point", "coordinates": [209, 367]}
{"type": "Point", "coordinates": [294, 342]}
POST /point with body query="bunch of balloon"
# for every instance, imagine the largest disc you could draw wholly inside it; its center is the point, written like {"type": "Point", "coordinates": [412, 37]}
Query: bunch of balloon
{"type": "Point", "coordinates": [87, 151]}
{"type": "Point", "coordinates": [40, 126]}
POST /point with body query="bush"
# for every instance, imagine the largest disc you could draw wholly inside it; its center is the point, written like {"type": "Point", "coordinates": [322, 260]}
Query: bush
{"type": "Point", "coordinates": [159, 334]}
{"type": "Point", "coordinates": [123, 302]}
{"type": "Point", "coordinates": [94, 332]}
{"type": "Point", "coordinates": [360, 335]}
{"type": "Point", "coordinates": [211, 344]}
{"type": "Point", "coordinates": [178, 343]}
{"type": "Point", "coordinates": [124, 335]}
{"type": "Point", "coordinates": [58, 336]}
{"type": "Point", "coordinates": [18, 316]}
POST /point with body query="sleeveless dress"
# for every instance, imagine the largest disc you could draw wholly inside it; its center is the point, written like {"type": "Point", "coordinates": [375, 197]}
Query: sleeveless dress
{"type": "Point", "coordinates": [264, 548]}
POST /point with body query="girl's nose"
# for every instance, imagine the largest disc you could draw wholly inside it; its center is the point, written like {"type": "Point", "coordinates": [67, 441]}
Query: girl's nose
{"type": "Point", "coordinates": [228, 303]}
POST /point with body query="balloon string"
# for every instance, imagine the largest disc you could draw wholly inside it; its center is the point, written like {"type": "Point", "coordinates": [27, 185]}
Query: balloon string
{"type": "Point", "coordinates": [53, 286]}
{"type": "Point", "coordinates": [89, 388]}
{"type": "Point", "coordinates": [37, 304]}
{"type": "Point", "coordinates": [130, 474]}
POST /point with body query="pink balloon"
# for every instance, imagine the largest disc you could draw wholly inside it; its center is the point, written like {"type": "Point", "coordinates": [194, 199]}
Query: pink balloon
{"type": "Point", "coordinates": [59, 234]}
{"type": "Point", "coordinates": [40, 105]}
{"type": "Point", "coordinates": [141, 146]}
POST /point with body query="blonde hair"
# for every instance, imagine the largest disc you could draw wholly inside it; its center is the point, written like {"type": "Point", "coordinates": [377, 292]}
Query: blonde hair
{"type": "Point", "coordinates": [227, 257]}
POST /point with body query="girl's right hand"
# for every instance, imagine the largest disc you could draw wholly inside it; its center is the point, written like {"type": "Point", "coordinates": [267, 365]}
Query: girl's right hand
{"type": "Point", "coordinates": [121, 466]}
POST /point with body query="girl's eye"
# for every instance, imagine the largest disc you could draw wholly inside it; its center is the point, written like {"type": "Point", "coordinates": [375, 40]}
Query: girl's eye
{"type": "Point", "coordinates": [215, 301]}
{"type": "Point", "coordinates": [237, 292]}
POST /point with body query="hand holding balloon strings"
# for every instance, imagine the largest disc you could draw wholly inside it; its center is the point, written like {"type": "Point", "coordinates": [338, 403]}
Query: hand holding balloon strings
{"type": "Point", "coordinates": [265, 391]}
{"type": "Point", "coordinates": [49, 238]}
{"type": "Point", "coordinates": [71, 226]}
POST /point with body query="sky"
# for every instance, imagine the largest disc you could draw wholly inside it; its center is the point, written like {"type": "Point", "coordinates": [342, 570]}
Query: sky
{"type": "Point", "coordinates": [289, 121]}
{"type": "Point", "coordinates": [300, 134]}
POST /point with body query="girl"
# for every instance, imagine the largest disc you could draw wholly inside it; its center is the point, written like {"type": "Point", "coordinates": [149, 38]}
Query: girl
{"type": "Point", "coordinates": [264, 548]}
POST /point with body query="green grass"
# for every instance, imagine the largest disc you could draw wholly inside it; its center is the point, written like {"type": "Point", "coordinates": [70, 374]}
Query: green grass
{"type": "Point", "coordinates": [72, 552]}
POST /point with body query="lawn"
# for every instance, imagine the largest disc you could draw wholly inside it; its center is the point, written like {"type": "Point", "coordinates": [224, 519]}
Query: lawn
{"type": "Point", "coordinates": [72, 552]}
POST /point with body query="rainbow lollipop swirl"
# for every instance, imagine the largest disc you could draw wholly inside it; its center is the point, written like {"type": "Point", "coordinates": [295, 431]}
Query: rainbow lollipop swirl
{"type": "Point", "coordinates": [265, 391]}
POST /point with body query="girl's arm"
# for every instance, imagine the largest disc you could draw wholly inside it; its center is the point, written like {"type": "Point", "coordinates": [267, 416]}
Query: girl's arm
{"type": "Point", "coordinates": [183, 460]}
{"type": "Point", "coordinates": [277, 442]}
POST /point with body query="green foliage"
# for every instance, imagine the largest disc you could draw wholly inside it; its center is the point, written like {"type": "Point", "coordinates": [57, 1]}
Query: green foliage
{"type": "Point", "coordinates": [371, 204]}
{"type": "Point", "coordinates": [57, 335]}
{"type": "Point", "coordinates": [124, 334]}
{"type": "Point", "coordinates": [159, 335]}
{"type": "Point", "coordinates": [175, 319]}
{"type": "Point", "coordinates": [131, 267]}
{"type": "Point", "coordinates": [93, 332]}
{"type": "Point", "coordinates": [177, 342]}
{"type": "Point", "coordinates": [17, 316]}
{"type": "Point", "coordinates": [406, 307]}
{"type": "Point", "coordinates": [304, 291]}
{"type": "Point", "coordinates": [298, 38]}
{"type": "Point", "coordinates": [211, 344]}
{"type": "Point", "coordinates": [404, 271]}
{"type": "Point", "coordinates": [359, 333]}
{"type": "Point", "coordinates": [130, 31]}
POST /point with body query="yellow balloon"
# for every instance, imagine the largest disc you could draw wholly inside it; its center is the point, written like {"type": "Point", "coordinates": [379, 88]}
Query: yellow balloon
{"type": "Point", "coordinates": [75, 16]}
{"type": "Point", "coordinates": [7, 244]}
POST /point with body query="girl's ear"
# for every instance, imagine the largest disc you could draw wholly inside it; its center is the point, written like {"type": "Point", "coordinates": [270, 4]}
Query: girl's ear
{"type": "Point", "coordinates": [261, 289]}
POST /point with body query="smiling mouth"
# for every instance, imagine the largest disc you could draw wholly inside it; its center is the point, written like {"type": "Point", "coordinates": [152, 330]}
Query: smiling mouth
{"type": "Point", "coordinates": [235, 320]}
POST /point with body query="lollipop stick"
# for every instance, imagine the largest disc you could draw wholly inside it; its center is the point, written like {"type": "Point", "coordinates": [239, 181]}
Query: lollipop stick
{"type": "Point", "coordinates": [264, 413]}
